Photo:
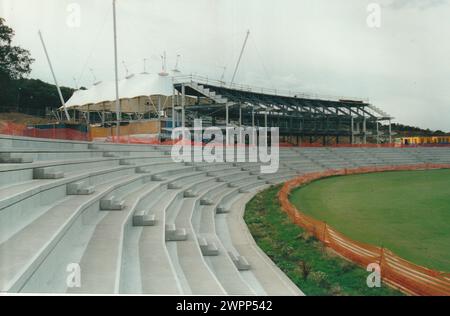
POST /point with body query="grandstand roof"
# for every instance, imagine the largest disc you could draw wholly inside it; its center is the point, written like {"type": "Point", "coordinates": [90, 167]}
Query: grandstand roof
{"type": "Point", "coordinates": [131, 87]}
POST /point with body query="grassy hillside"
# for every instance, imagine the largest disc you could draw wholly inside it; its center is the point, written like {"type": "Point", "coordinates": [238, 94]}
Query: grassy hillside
{"type": "Point", "coordinates": [30, 96]}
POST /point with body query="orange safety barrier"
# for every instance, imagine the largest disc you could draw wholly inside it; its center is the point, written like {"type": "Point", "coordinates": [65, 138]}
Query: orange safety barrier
{"type": "Point", "coordinates": [129, 135]}
{"type": "Point", "coordinates": [137, 140]}
{"type": "Point", "coordinates": [10, 128]}
{"type": "Point", "coordinates": [392, 145]}
{"type": "Point", "coordinates": [406, 276]}
{"type": "Point", "coordinates": [153, 140]}
{"type": "Point", "coordinates": [50, 131]}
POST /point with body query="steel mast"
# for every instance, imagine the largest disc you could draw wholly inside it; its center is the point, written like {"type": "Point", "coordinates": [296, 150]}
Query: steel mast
{"type": "Point", "coordinates": [54, 77]}
{"type": "Point", "coordinates": [118, 110]}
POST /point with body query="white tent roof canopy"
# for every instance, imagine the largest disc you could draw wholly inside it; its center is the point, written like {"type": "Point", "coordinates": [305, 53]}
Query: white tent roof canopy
{"type": "Point", "coordinates": [131, 87]}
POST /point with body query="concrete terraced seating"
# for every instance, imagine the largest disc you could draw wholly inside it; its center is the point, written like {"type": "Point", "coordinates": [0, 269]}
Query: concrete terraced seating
{"type": "Point", "coordinates": [358, 157]}
{"type": "Point", "coordinates": [394, 156]}
{"type": "Point", "coordinates": [136, 222]}
{"type": "Point", "coordinates": [255, 267]}
{"type": "Point", "coordinates": [223, 263]}
{"type": "Point", "coordinates": [433, 154]}
{"type": "Point", "coordinates": [325, 159]}
{"type": "Point", "coordinates": [119, 212]}
{"type": "Point", "coordinates": [14, 155]}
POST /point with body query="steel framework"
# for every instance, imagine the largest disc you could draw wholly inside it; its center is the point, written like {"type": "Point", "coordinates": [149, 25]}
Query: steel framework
{"type": "Point", "coordinates": [299, 116]}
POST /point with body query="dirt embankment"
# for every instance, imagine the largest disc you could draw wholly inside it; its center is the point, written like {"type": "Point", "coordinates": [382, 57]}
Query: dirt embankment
{"type": "Point", "coordinates": [23, 119]}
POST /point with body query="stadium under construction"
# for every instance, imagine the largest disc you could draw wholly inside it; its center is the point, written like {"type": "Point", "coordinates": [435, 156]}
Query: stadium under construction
{"type": "Point", "coordinates": [152, 104]}
{"type": "Point", "coordinates": [301, 118]}
{"type": "Point", "coordinates": [172, 99]}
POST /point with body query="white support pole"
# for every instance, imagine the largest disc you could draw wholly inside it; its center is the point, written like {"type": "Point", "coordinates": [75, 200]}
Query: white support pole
{"type": "Point", "coordinates": [364, 131]}
{"type": "Point", "coordinates": [159, 117]}
{"type": "Point", "coordinates": [240, 115]}
{"type": "Point", "coordinates": [54, 77]}
{"type": "Point", "coordinates": [240, 57]}
{"type": "Point", "coordinates": [116, 70]}
{"type": "Point", "coordinates": [253, 116]}
{"type": "Point", "coordinates": [145, 66]}
{"type": "Point", "coordinates": [159, 105]}
{"type": "Point", "coordinates": [265, 118]}
{"type": "Point", "coordinates": [177, 113]}
{"type": "Point", "coordinates": [227, 115]}
{"type": "Point", "coordinates": [390, 132]}
{"type": "Point", "coordinates": [173, 109]}
{"type": "Point", "coordinates": [353, 131]}
{"type": "Point", "coordinates": [378, 132]}
{"type": "Point", "coordinates": [183, 104]}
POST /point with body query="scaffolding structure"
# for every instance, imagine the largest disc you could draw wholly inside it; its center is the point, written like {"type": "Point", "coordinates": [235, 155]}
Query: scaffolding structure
{"type": "Point", "coordinates": [300, 117]}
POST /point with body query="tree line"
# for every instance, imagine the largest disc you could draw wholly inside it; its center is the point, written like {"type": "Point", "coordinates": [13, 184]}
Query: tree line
{"type": "Point", "coordinates": [17, 92]}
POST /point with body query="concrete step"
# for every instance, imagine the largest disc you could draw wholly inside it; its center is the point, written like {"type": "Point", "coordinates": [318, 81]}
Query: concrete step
{"type": "Point", "coordinates": [208, 248]}
{"type": "Point", "coordinates": [221, 209]}
{"type": "Point", "coordinates": [80, 188]}
{"type": "Point", "coordinates": [93, 146]}
{"type": "Point", "coordinates": [174, 186]}
{"type": "Point", "coordinates": [47, 173]}
{"type": "Point", "coordinates": [140, 218]}
{"type": "Point", "coordinates": [126, 162]}
{"type": "Point", "coordinates": [14, 158]}
{"type": "Point", "coordinates": [158, 178]}
{"type": "Point", "coordinates": [206, 201]}
{"type": "Point", "coordinates": [111, 204]}
{"type": "Point", "coordinates": [108, 154]}
{"type": "Point", "coordinates": [190, 194]}
{"type": "Point", "coordinates": [175, 234]}
{"type": "Point", "coordinates": [240, 261]}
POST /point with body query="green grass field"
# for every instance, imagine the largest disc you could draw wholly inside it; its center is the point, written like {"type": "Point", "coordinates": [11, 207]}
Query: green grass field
{"type": "Point", "coordinates": [407, 212]}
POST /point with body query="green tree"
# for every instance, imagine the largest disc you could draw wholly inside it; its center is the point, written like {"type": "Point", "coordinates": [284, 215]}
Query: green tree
{"type": "Point", "coordinates": [17, 93]}
{"type": "Point", "coordinates": [15, 62]}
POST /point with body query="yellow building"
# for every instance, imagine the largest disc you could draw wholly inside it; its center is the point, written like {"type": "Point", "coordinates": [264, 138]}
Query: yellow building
{"type": "Point", "coordinates": [423, 140]}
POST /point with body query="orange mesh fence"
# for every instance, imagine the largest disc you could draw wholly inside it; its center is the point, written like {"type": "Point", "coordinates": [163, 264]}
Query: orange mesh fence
{"type": "Point", "coordinates": [153, 140]}
{"type": "Point", "coordinates": [402, 274]}
{"type": "Point", "coordinates": [137, 140]}
{"type": "Point", "coordinates": [388, 145]}
{"type": "Point", "coordinates": [51, 131]}
{"type": "Point", "coordinates": [10, 128]}
{"type": "Point", "coordinates": [57, 133]}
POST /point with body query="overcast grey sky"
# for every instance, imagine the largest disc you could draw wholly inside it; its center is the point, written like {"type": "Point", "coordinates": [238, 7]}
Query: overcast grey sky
{"type": "Point", "coordinates": [315, 46]}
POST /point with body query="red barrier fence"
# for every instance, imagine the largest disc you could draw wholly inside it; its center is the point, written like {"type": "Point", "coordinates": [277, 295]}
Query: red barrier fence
{"type": "Point", "coordinates": [392, 145]}
{"type": "Point", "coordinates": [50, 131]}
{"type": "Point", "coordinates": [406, 276]}
{"type": "Point", "coordinates": [83, 132]}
